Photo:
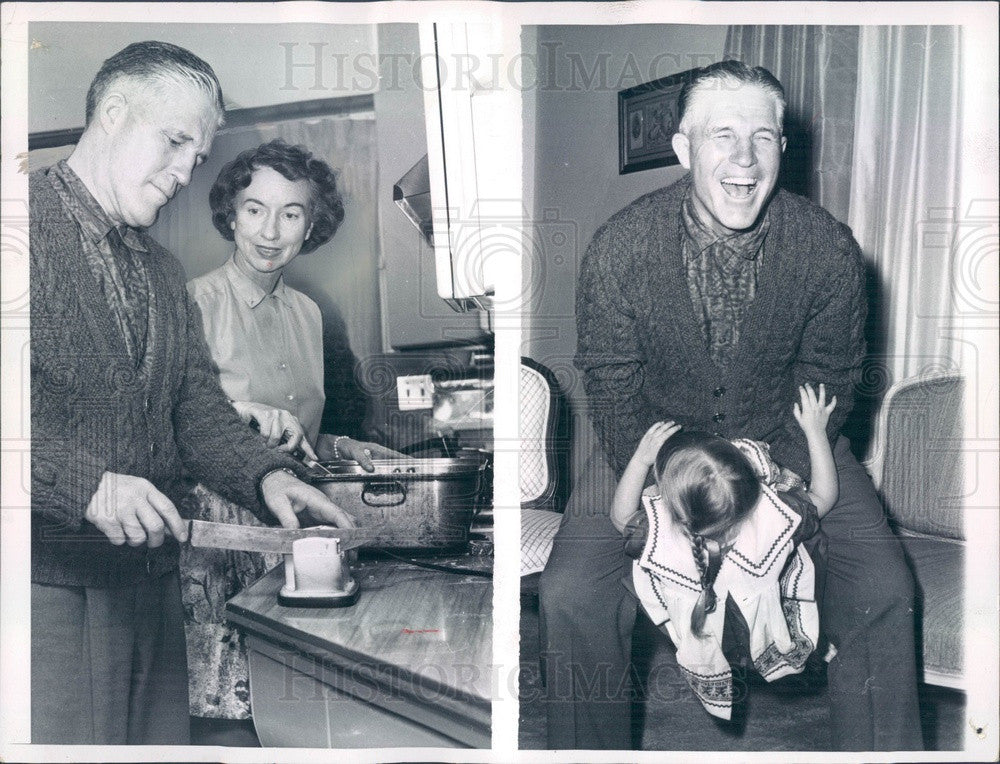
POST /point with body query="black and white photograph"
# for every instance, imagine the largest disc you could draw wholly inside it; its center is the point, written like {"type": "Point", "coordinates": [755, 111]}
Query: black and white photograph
{"type": "Point", "coordinates": [260, 437]}
{"type": "Point", "coordinates": [497, 381]}
{"type": "Point", "coordinates": [755, 364]}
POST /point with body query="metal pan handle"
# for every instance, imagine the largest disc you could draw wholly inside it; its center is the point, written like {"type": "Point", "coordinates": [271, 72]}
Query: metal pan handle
{"type": "Point", "coordinates": [379, 488]}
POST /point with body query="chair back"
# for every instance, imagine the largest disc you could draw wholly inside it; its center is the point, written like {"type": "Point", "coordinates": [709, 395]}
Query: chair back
{"type": "Point", "coordinates": [918, 466]}
{"type": "Point", "coordinates": [543, 440]}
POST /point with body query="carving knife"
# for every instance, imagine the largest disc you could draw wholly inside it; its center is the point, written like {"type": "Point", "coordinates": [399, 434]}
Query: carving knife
{"type": "Point", "coordinates": [250, 538]}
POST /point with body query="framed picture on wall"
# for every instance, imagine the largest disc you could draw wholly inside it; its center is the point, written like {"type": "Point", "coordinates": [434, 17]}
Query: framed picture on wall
{"type": "Point", "coordinates": [647, 120]}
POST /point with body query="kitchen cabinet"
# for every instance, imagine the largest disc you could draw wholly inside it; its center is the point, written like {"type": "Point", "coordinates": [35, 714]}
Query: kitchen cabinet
{"type": "Point", "coordinates": [409, 665]}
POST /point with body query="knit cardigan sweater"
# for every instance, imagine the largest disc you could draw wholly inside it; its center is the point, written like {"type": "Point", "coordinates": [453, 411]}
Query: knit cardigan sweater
{"type": "Point", "coordinates": [643, 355]}
{"type": "Point", "coordinates": [91, 412]}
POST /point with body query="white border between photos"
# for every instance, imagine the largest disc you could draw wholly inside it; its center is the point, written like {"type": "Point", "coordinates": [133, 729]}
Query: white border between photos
{"type": "Point", "coordinates": [980, 23]}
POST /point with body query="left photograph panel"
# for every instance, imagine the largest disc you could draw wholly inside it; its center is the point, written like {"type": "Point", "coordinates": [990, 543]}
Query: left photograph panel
{"type": "Point", "coordinates": [261, 413]}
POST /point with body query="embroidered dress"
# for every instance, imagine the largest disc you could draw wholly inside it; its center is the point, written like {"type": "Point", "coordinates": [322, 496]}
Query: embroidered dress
{"type": "Point", "coordinates": [770, 580]}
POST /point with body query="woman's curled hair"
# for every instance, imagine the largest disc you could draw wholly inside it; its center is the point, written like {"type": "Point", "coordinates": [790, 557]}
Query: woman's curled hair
{"type": "Point", "coordinates": [708, 486]}
{"type": "Point", "coordinates": [293, 163]}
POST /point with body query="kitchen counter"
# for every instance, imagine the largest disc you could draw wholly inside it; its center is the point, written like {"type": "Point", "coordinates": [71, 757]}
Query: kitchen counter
{"type": "Point", "coordinates": [408, 665]}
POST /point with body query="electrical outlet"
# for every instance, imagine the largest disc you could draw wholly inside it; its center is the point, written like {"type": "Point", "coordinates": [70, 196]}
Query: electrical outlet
{"type": "Point", "coordinates": [415, 392]}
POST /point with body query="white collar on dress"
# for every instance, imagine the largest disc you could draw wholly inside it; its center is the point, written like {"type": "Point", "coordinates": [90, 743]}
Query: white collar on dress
{"type": "Point", "coordinates": [250, 292]}
{"type": "Point", "coordinates": [759, 544]}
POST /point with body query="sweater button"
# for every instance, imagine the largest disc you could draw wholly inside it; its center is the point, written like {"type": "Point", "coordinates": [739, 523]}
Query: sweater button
{"type": "Point", "coordinates": [719, 392]}
{"type": "Point", "coordinates": [720, 417]}
{"type": "Point", "coordinates": [152, 449]}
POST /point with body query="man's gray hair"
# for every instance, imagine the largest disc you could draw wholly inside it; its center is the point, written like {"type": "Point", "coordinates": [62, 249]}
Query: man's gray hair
{"type": "Point", "coordinates": [151, 62]}
{"type": "Point", "coordinates": [727, 74]}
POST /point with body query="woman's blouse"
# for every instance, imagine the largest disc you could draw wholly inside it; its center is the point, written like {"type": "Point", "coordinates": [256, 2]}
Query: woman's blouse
{"type": "Point", "coordinates": [268, 347]}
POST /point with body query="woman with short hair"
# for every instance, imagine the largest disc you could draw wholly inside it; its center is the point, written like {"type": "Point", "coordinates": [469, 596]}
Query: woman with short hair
{"type": "Point", "coordinates": [274, 202]}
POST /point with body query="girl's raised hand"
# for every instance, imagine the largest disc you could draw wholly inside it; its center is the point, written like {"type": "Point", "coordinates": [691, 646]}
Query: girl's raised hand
{"type": "Point", "coordinates": [812, 412]}
{"type": "Point", "coordinates": [656, 436]}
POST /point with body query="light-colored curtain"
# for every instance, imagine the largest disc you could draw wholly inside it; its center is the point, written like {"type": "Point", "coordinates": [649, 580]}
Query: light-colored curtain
{"type": "Point", "coordinates": [817, 65]}
{"type": "Point", "coordinates": [905, 185]}
{"type": "Point", "coordinates": [342, 275]}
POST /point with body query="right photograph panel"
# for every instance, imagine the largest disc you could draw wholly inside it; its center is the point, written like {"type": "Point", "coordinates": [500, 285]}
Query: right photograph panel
{"type": "Point", "coordinates": [743, 512]}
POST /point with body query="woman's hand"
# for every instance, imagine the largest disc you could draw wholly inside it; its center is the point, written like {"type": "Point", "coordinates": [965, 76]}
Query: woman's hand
{"type": "Point", "coordinates": [655, 437]}
{"type": "Point", "coordinates": [280, 428]}
{"type": "Point", "coordinates": [812, 412]}
{"type": "Point", "coordinates": [359, 451]}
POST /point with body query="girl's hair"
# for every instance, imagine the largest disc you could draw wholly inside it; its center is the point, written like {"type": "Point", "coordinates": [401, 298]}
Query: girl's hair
{"type": "Point", "coordinates": [708, 486]}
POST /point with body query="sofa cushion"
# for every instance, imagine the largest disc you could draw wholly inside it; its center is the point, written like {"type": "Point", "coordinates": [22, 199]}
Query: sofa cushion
{"type": "Point", "coordinates": [938, 566]}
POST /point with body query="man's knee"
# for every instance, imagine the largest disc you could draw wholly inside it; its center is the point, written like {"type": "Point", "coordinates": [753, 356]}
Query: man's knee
{"type": "Point", "coordinates": [894, 585]}
{"type": "Point", "coordinates": [558, 595]}
{"type": "Point", "coordinates": [885, 594]}
{"type": "Point", "coordinates": [567, 595]}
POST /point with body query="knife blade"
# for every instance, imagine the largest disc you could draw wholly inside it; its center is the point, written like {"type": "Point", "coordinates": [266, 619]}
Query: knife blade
{"type": "Point", "coordinates": [250, 538]}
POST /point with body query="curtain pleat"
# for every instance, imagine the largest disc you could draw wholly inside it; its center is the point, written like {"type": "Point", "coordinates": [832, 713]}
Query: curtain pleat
{"type": "Point", "coordinates": [905, 190]}
{"type": "Point", "coordinates": [817, 65]}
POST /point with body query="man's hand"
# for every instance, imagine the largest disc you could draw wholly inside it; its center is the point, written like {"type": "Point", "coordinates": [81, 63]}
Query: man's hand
{"type": "Point", "coordinates": [287, 496]}
{"type": "Point", "coordinates": [129, 509]}
{"type": "Point", "coordinates": [281, 429]}
{"type": "Point", "coordinates": [359, 451]}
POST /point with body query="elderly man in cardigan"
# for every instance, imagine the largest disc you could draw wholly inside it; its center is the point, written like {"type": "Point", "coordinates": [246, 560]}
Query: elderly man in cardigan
{"type": "Point", "coordinates": [123, 399]}
{"type": "Point", "coordinates": [708, 303]}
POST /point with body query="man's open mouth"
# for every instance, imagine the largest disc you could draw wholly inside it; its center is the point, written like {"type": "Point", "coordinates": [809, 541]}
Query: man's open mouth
{"type": "Point", "coordinates": [739, 188]}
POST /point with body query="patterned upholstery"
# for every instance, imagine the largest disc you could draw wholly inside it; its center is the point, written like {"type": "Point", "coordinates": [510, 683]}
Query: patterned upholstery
{"type": "Point", "coordinates": [538, 478]}
{"type": "Point", "coordinates": [919, 471]}
{"type": "Point", "coordinates": [535, 403]}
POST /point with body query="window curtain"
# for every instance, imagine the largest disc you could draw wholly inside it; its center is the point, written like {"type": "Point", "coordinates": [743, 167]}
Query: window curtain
{"type": "Point", "coordinates": [905, 189]}
{"type": "Point", "coordinates": [817, 65]}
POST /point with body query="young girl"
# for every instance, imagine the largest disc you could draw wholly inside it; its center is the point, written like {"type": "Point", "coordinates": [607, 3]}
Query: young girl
{"type": "Point", "coordinates": [723, 524]}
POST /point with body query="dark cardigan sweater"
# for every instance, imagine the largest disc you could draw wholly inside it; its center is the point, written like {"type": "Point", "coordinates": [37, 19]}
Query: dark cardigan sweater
{"type": "Point", "coordinates": [91, 412]}
{"type": "Point", "coordinates": [643, 355]}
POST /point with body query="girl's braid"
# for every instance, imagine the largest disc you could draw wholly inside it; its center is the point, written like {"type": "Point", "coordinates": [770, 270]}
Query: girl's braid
{"type": "Point", "coordinates": [707, 600]}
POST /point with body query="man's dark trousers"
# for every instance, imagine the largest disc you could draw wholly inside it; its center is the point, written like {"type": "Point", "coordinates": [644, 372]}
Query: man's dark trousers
{"type": "Point", "coordinates": [587, 617]}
